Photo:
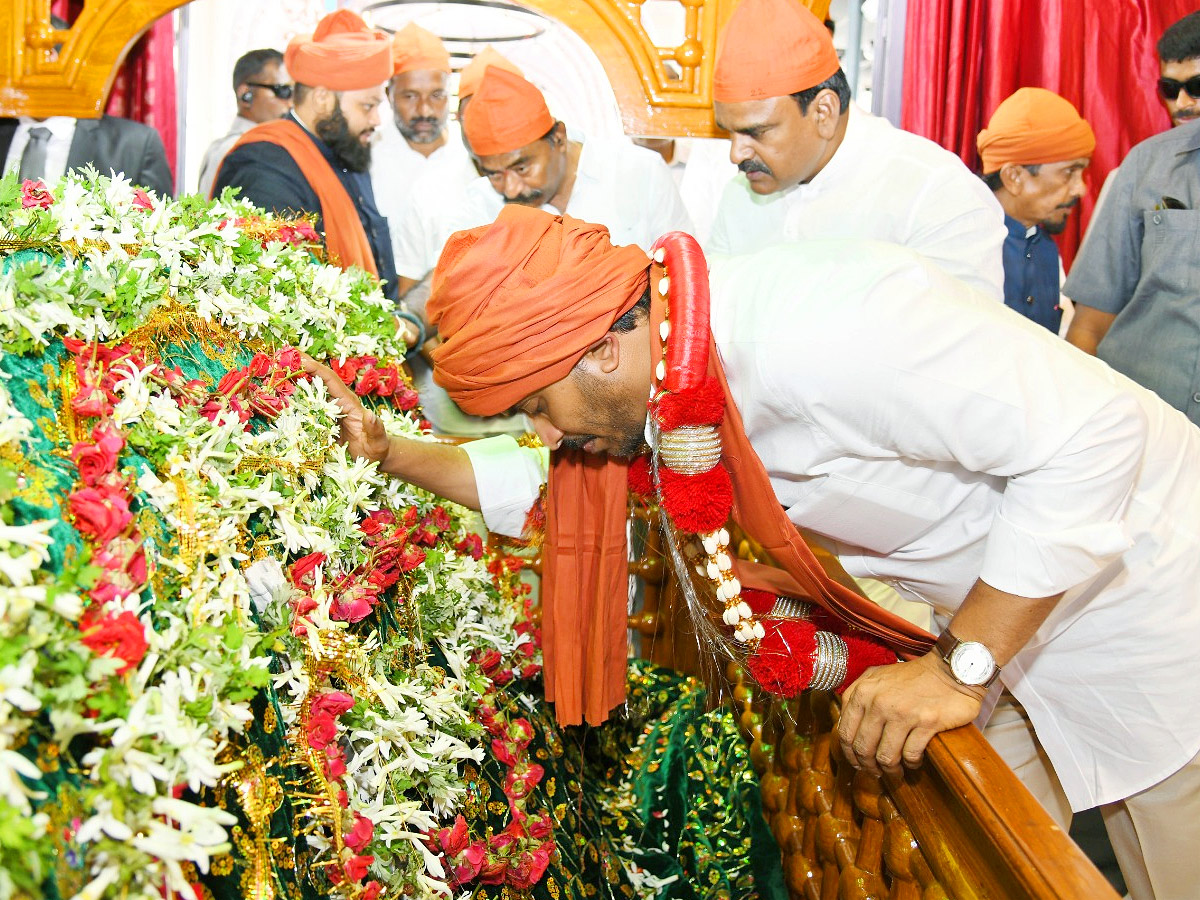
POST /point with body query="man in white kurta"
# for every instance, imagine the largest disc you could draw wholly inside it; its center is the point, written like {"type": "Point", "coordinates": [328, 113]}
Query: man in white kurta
{"type": "Point", "coordinates": [815, 165]}
{"type": "Point", "coordinates": [419, 148]}
{"type": "Point", "coordinates": [933, 438]}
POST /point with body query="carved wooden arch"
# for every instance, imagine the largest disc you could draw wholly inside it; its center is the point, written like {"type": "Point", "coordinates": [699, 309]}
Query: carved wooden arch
{"type": "Point", "coordinates": [652, 102]}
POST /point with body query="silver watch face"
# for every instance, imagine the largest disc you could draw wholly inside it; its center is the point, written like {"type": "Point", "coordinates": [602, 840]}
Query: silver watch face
{"type": "Point", "coordinates": [972, 663]}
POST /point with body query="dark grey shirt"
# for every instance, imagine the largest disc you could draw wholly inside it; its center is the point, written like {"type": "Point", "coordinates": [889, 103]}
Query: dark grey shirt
{"type": "Point", "coordinates": [1141, 261]}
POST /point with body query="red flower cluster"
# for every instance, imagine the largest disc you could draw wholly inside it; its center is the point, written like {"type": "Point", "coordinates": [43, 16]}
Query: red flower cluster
{"type": "Point", "coordinates": [297, 232]}
{"type": "Point", "coordinates": [321, 730]}
{"type": "Point", "coordinates": [368, 377]}
{"type": "Point", "coordinates": [95, 375]}
{"type": "Point", "coordinates": [101, 514]}
{"type": "Point", "coordinates": [35, 194]}
{"type": "Point", "coordinates": [142, 200]}
{"type": "Point", "coordinates": [264, 387]}
{"type": "Point", "coordinates": [122, 636]}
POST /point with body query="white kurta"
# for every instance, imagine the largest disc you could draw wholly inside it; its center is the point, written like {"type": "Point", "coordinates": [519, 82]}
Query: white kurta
{"type": "Point", "coordinates": [402, 178]}
{"type": "Point", "coordinates": [934, 437]}
{"type": "Point", "coordinates": [882, 184]}
{"type": "Point", "coordinates": [626, 188]}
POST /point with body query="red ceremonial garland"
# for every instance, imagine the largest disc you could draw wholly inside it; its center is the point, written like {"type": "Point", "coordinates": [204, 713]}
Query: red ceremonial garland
{"type": "Point", "coordinates": [790, 646]}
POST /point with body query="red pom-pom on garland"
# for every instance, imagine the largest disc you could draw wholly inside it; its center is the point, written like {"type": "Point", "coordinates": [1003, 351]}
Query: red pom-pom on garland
{"type": "Point", "coordinates": [783, 663]}
{"type": "Point", "coordinates": [702, 405]}
{"type": "Point", "coordinates": [696, 503]}
{"type": "Point", "coordinates": [641, 479]}
{"type": "Point", "coordinates": [861, 654]}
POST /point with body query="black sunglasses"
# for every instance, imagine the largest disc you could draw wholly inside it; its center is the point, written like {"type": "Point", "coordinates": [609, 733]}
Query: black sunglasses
{"type": "Point", "coordinates": [1170, 88]}
{"type": "Point", "coordinates": [282, 91]}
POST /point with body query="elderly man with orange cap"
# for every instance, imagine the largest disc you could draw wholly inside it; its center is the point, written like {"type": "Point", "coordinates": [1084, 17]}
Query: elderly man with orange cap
{"type": "Point", "coordinates": [1034, 151]}
{"type": "Point", "coordinates": [527, 158]}
{"type": "Point", "coordinates": [421, 147]}
{"type": "Point", "coordinates": [814, 165]}
{"type": "Point", "coordinates": [1049, 511]}
{"type": "Point", "coordinates": [315, 159]}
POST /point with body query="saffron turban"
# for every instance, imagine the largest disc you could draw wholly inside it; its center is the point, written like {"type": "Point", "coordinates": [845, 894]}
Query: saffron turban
{"type": "Point", "coordinates": [506, 114]}
{"type": "Point", "coordinates": [518, 302]}
{"type": "Point", "coordinates": [472, 73]}
{"type": "Point", "coordinates": [417, 49]}
{"type": "Point", "coordinates": [343, 54]}
{"type": "Point", "coordinates": [1032, 127]}
{"type": "Point", "coordinates": [772, 48]}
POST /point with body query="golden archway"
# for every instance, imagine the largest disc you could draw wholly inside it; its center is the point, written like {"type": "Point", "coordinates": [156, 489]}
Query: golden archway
{"type": "Point", "coordinates": [660, 90]}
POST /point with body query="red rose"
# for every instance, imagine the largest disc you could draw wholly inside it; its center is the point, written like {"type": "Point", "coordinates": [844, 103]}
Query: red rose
{"type": "Point", "coordinates": [362, 832]}
{"type": "Point", "coordinates": [471, 545]}
{"type": "Point", "coordinates": [35, 194]}
{"type": "Point", "coordinates": [371, 891]}
{"type": "Point", "coordinates": [91, 402]}
{"type": "Point", "coordinates": [304, 566]}
{"type": "Point", "coordinates": [367, 382]}
{"type": "Point", "coordinates": [322, 728]}
{"type": "Point", "coordinates": [356, 867]}
{"type": "Point", "coordinates": [490, 661]}
{"type": "Point", "coordinates": [352, 609]}
{"type": "Point", "coordinates": [541, 827]}
{"type": "Point", "coordinates": [95, 460]}
{"type": "Point", "coordinates": [99, 515]}
{"type": "Point", "coordinates": [453, 841]}
{"type": "Point", "coordinates": [122, 636]}
{"type": "Point", "coordinates": [504, 751]}
{"type": "Point", "coordinates": [468, 865]}
{"type": "Point", "coordinates": [142, 200]}
{"type": "Point", "coordinates": [332, 703]}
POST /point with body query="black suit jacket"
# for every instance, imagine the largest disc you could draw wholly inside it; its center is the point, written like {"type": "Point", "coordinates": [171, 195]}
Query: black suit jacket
{"type": "Point", "coordinates": [112, 143]}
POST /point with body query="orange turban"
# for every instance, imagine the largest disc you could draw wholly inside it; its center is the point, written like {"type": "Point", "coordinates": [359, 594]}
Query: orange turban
{"type": "Point", "coordinates": [472, 73]}
{"type": "Point", "coordinates": [414, 48]}
{"type": "Point", "coordinates": [343, 54]}
{"type": "Point", "coordinates": [506, 114]}
{"type": "Point", "coordinates": [772, 48]}
{"type": "Point", "coordinates": [518, 303]}
{"type": "Point", "coordinates": [1032, 127]}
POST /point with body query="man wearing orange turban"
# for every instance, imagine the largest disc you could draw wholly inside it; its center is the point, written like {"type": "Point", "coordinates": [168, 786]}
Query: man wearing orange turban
{"type": "Point", "coordinates": [1048, 511]}
{"type": "Point", "coordinates": [1034, 152]}
{"type": "Point", "coordinates": [814, 165]}
{"type": "Point", "coordinates": [315, 159]}
{"type": "Point", "coordinates": [418, 161]}
{"type": "Point", "coordinates": [527, 158]}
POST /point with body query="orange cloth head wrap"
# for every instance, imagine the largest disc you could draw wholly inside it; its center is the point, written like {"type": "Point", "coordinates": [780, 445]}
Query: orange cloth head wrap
{"type": "Point", "coordinates": [343, 54]}
{"type": "Point", "coordinates": [518, 303]}
{"type": "Point", "coordinates": [506, 114]}
{"type": "Point", "coordinates": [414, 48]}
{"type": "Point", "coordinates": [772, 48]}
{"type": "Point", "coordinates": [1032, 127]}
{"type": "Point", "coordinates": [472, 73]}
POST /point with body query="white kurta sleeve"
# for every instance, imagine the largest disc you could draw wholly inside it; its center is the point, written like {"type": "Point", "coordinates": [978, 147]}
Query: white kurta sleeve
{"type": "Point", "coordinates": [913, 379]}
{"type": "Point", "coordinates": [509, 478]}
{"type": "Point", "coordinates": [959, 225]}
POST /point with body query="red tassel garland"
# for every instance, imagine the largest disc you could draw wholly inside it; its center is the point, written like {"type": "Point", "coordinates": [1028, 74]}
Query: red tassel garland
{"type": "Point", "coordinates": [702, 405]}
{"type": "Point", "coordinates": [862, 653]}
{"type": "Point", "coordinates": [641, 480]}
{"type": "Point", "coordinates": [697, 504]}
{"type": "Point", "coordinates": [783, 664]}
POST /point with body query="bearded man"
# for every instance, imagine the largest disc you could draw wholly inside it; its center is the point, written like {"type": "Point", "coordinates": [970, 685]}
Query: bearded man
{"type": "Point", "coordinates": [1035, 150]}
{"type": "Point", "coordinates": [316, 159]}
{"type": "Point", "coordinates": [420, 148]}
{"type": "Point", "coordinates": [1049, 512]}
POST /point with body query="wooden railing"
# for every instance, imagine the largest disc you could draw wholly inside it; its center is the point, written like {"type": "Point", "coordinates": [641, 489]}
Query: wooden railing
{"type": "Point", "coordinates": [962, 827]}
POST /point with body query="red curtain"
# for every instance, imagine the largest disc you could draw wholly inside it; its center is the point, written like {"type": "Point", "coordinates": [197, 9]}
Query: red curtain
{"type": "Point", "coordinates": [144, 89]}
{"type": "Point", "coordinates": [963, 57]}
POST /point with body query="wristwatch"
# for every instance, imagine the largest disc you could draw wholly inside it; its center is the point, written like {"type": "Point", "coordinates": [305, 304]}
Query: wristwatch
{"type": "Point", "coordinates": [970, 662]}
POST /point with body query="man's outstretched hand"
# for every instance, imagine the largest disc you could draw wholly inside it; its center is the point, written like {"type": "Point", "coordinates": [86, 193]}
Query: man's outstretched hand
{"type": "Point", "coordinates": [891, 712]}
{"type": "Point", "coordinates": [361, 430]}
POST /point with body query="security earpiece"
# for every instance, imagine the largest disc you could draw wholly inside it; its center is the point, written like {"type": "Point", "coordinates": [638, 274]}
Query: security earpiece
{"type": "Point", "coordinates": [246, 96]}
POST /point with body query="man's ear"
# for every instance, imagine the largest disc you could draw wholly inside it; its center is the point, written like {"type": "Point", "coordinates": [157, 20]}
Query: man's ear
{"type": "Point", "coordinates": [1011, 176]}
{"type": "Point", "coordinates": [605, 355]}
{"type": "Point", "coordinates": [828, 109]}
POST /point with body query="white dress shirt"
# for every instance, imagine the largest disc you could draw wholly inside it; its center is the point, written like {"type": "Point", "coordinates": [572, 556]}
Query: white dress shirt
{"type": "Point", "coordinates": [881, 184]}
{"type": "Point", "coordinates": [626, 188]}
{"type": "Point", "coordinates": [58, 148]}
{"type": "Point", "coordinates": [933, 437]}
{"type": "Point", "coordinates": [216, 152]}
{"type": "Point", "coordinates": [403, 178]}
